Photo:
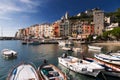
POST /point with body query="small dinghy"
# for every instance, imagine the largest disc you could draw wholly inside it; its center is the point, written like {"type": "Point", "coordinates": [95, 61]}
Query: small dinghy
{"type": "Point", "coordinates": [51, 72]}
{"type": "Point", "coordinates": [7, 53]}
{"type": "Point", "coordinates": [23, 72]}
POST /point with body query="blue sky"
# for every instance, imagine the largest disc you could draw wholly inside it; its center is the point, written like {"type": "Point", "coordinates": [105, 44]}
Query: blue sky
{"type": "Point", "coordinates": [16, 14]}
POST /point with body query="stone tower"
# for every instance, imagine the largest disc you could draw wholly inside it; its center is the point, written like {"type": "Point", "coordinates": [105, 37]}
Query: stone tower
{"type": "Point", "coordinates": [98, 19]}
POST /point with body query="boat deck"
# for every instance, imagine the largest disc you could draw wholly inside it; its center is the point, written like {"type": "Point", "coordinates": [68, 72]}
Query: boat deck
{"type": "Point", "coordinates": [24, 72]}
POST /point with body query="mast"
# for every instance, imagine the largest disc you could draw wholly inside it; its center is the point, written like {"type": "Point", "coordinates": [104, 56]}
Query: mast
{"type": "Point", "coordinates": [1, 37]}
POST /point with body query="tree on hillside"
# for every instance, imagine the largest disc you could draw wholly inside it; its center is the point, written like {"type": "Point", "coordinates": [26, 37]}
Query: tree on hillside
{"type": "Point", "coordinates": [106, 34]}
{"type": "Point", "coordinates": [116, 33]}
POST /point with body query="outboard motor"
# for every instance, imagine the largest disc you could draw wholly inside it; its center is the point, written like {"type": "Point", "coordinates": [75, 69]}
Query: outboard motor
{"type": "Point", "coordinates": [45, 61]}
{"type": "Point", "coordinates": [64, 55]}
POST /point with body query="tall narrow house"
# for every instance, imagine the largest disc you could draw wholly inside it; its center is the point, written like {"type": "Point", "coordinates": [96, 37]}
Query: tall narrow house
{"type": "Point", "coordinates": [98, 19]}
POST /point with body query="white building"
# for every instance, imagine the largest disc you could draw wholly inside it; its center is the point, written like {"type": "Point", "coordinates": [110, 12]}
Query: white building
{"type": "Point", "coordinates": [112, 26]}
{"type": "Point", "coordinates": [45, 30]}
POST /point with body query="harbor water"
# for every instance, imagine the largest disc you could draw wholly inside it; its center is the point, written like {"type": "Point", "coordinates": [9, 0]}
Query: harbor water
{"type": "Point", "coordinates": [37, 53]}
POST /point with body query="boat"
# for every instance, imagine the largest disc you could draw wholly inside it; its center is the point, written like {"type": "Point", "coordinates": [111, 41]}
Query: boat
{"type": "Point", "coordinates": [117, 54]}
{"type": "Point", "coordinates": [7, 53]}
{"type": "Point", "coordinates": [51, 72]}
{"type": "Point", "coordinates": [61, 43]}
{"type": "Point", "coordinates": [67, 48]}
{"type": "Point", "coordinates": [77, 49]}
{"type": "Point", "coordinates": [23, 71]}
{"type": "Point", "coordinates": [108, 58]}
{"type": "Point", "coordinates": [94, 47]}
{"type": "Point", "coordinates": [34, 42]}
{"type": "Point", "coordinates": [64, 43]}
{"type": "Point", "coordinates": [24, 42]}
{"type": "Point", "coordinates": [80, 66]}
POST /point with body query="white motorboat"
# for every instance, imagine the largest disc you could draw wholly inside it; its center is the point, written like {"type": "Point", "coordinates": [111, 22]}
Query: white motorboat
{"type": "Point", "coordinates": [94, 47]}
{"type": "Point", "coordinates": [67, 48]}
{"type": "Point", "coordinates": [9, 53]}
{"type": "Point", "coordinates": [77, 49]}
{"type": "Point", "coordinates": [117, 54]}
{"type": "Point", "coordinates": [61, 43]}
{"type": "Point", "coordinates": [108, 58]}
{"type": "Point", "coordinates": [51, 72]}
{"type": "Point", "coordinates": [23, 72]}
{"type": "Point", "coordinates": [64, 43]}
{"type": "Point", "coordinates": [80, 65]}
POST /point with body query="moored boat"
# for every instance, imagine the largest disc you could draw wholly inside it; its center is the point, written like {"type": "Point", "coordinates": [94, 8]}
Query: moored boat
{"type": "Point", "coordinates": [61, 43]}
{"type": "Point", "coordinates": [77, 49]}
{"type": "Point", "coordinates": [94, 47]}
{"type": "Point", "coordinates": [67, 48]}
{"type": "Point", "coordinates": [24, 42]}
{"type": "Point", "coordinates": [7, 53]}
{"type": "Point", "coordinates": [81, 66]}
{"type": "Point", "coordinates": [34, 42]}
{"type": "Point", "coordinates": [108, 58]}
{"type": "Point", "coordinates": [116, 54]}
{"type": "Point", "coordinates": [51, 72]}
{"type": "Point", "coordinates": [64, 43]}
{"type": "Point", "coordinates": [23, 71]}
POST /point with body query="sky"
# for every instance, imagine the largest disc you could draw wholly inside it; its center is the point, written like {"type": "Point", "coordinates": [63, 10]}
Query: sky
{"type": "Point", "coordinates": [17, 14]}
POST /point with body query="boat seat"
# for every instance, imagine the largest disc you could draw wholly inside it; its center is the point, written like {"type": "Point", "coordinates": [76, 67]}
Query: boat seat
{"type": "Point", "coordinates": [31, 79]}
{"type": "Point", "coordinates": [54, 73]}
{"type": "Point", "coordinates": [46, 70]}
{"type": "Point", "coordinates": [50, 75]}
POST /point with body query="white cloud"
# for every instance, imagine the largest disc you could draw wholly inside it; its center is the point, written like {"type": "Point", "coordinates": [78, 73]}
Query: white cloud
{"type": "Point", "coordinates": [5, 18]}
{"type": "Point", "coordinates": [8, 7]}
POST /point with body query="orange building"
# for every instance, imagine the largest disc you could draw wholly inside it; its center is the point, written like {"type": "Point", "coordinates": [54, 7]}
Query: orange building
{"type": "Point", "coordinates": [87, 29]}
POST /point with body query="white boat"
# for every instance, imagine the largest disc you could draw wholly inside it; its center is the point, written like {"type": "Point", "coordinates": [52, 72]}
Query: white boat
{"type": "Point", "coordinates": [51, 72]}
{"type": "Point", "coordinates": [108, 58]}
{"type": "Point", "coordinates": [94, 47]}
{"type": "Point", "coordinates": [61, 43]}
{"type": "Point", "coordinates": [23, 72]}
{"type": "Point", "coordinates": [117, 54]}
{"type": "Point", "coordinates": [64, 43]}
{"type": "Point", "coordinates": [9, 53]}
{"type": "Point", "coordinates": [69, 42]}
{"type": "Point", "coordinates": [77, 49]}
{"type": "Point", "coordinates": [81, 66]}
{"type": "Point", "coordinates": [67, 48]}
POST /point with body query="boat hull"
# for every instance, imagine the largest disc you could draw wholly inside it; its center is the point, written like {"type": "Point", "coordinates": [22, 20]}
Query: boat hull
{"type": "Point", "coordinates": [9, 54]}
{"type": "Point", "coordinates": [23, 71]}
{"type": "Point", "coordinates": [47, 75]}
{"type": "Point", "coordinates": [115, 62]}
{"type": "Point", "coordinates": [85, 70]}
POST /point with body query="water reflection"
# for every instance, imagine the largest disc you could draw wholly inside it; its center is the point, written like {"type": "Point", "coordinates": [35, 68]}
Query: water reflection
{"type": "Point", "coordinates": [36, 54]}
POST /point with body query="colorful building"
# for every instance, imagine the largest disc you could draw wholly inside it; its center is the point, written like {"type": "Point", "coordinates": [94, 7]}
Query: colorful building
{"type": "Point", "coordinates": [56, 29]}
